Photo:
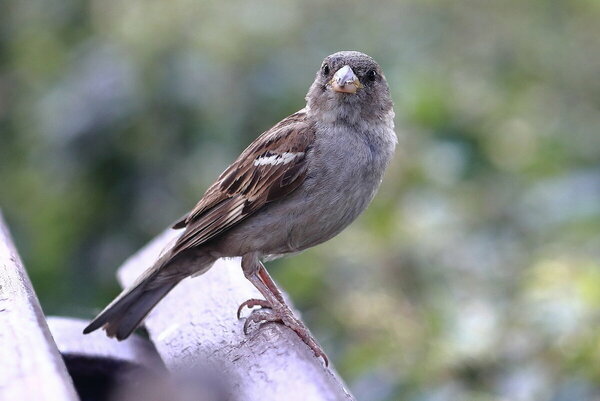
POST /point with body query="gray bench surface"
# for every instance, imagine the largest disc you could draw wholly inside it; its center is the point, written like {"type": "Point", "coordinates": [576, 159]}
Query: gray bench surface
{"type": "Point", "coordinates": [30, 364]}
{"type": "Point", "coordinates": [71, 342]}
{"type": "Point", "coordinates": [196, 325]}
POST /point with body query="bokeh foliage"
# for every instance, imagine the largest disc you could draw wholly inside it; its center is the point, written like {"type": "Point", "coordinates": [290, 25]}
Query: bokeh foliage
{"type": "Point", "coordinates": [475, 274]}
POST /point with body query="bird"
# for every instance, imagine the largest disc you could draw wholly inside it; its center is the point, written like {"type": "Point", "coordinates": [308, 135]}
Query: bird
{"type": "Point", "coordinates": [297, 185]}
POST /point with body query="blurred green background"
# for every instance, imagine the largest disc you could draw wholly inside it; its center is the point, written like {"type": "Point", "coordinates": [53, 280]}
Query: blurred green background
{"type": "Point", "coordinates": [474, 275]}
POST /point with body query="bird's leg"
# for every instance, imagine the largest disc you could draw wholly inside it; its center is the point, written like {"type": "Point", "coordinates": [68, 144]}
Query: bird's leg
{"type": "Point", "coordinates": [256, 273]}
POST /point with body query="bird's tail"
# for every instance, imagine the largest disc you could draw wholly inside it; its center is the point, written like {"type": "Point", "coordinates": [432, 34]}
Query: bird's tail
{"type": "Point", "coordinates": [123, 315]}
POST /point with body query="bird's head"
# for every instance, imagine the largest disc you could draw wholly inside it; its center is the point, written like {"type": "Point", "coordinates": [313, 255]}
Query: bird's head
{"type": "Point", "coordinates": [349, 86]}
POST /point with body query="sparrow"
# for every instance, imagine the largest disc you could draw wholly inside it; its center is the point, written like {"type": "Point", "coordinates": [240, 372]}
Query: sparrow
{"type": "Point", "coordinates": [297, 185]}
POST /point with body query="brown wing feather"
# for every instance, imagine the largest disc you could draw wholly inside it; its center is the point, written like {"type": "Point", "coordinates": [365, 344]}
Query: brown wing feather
{"type": "Point", "coordinates": [270, 168]}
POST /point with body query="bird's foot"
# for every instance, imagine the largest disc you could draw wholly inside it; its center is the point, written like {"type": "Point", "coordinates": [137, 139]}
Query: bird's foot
{"type": "Point", "coordinates": [282, 314]}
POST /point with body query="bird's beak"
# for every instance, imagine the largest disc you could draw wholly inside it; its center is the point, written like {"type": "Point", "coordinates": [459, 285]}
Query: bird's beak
{"type": "Point", "coordinates": [345, 81]}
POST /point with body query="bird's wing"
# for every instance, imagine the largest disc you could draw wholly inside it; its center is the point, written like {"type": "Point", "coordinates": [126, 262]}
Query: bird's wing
{"type": "Point", "coordinates": [270, 168]}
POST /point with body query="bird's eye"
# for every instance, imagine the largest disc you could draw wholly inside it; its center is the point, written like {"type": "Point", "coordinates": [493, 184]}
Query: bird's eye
{"type": "Point", "coordinates": [325, 69]}
{"type": "Point", "coordinates": [371, 75]}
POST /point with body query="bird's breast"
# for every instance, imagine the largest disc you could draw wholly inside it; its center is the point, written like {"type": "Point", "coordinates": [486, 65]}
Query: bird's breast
{"type": "Point", "coordinates": [344, 173]}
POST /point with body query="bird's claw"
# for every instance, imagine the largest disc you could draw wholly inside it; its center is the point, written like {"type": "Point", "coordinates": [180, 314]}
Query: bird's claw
{"type": "Point", "coordinates": [283, 315]}
{"type": "Point", "coordinates": [252, 303]}
{"type": "Point", "coordinates": [260, 316]}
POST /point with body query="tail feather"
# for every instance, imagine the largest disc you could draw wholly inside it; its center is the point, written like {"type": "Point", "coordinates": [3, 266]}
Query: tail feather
{"type": "Point", "coordinates": [123, 327]}
{"type": "Point", "coordinates": [125, 313]}
{"type": "Point", "coordinates": [122, 316]}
